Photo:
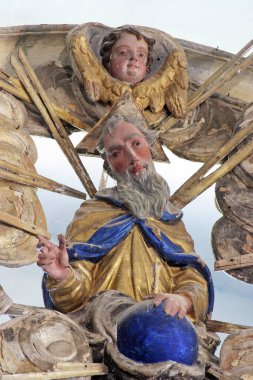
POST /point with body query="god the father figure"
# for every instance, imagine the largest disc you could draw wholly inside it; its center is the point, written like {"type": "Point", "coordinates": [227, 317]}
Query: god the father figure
{"type": "Point", "coordinates": [117, 239]}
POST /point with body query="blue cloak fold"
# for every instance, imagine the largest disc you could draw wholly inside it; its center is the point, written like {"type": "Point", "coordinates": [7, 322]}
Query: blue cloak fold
{"type": "Point", "coordinates": [116, 230]}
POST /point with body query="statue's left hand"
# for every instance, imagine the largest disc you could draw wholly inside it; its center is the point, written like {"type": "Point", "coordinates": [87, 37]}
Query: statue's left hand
{"type": "Point", "coordinates": [174, 303]}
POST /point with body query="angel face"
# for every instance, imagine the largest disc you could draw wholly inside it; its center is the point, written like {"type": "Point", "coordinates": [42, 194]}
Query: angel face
{"type": "Point", "coordinates": [128, 61]}
{"type": "Point", "coordinates": [127, 149]}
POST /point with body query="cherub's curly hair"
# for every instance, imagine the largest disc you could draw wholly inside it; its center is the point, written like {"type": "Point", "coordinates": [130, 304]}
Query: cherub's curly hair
{"type": "Point", "coordinates": [111, 38]}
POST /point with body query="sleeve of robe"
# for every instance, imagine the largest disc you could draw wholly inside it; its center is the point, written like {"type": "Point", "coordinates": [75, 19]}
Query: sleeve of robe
{"type": "Point", "coordinates": [73, 292]}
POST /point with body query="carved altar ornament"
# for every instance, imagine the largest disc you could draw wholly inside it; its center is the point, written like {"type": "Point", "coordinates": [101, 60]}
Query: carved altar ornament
{"type": "Point", "coordinates": [186, 139]}
{"type": "Point", "coordinates": [97, 84]}
{"type": "Point", "coordinates": [12, 110]}
{"type": "Point", "coordinates": [236, 355]}
{"type": "Point", "coordinates": [102, 316]}
{"type": "Point", "coordinates": [5, 301]}
{"type": "Point", "coordinates": [17, 148]}
{"type": "Point", "coordinates": [244, 170]}
{"type": "Point", "coordinates": [234, 191]}
{"type": "Point", "coordinates": [165, 83]}
{"type": "Point", "coordinates": [235, 201]}
{"type": "Point", "coordinates": [202, 132]}
{"type": "Point", "coordinates": [17, 247]}
{"type": "Point", "coordinates": [13, 119]}
{"type": "Point", "coordinates": [39, 340]}
{"type": "Point", "coordinates": [232, 235]}
{"type": "Point", "coordinates": [214, 118]}
{"type": "Point", "coordinates": [231, 242]}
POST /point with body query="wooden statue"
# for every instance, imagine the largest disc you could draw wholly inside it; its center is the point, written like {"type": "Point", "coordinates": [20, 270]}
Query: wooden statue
{"type": "Point", "coordinates": [127, 57]}
{"type": "Point", "coordinates": [83, 82]}
{"type": "Point", "coordinates": [130, 239]}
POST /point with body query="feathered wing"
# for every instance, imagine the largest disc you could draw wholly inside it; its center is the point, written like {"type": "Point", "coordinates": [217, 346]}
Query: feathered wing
{"type": "Point", "coordinates": [98, 83]}
{"type": "Point", "coordinates": [168, 86]}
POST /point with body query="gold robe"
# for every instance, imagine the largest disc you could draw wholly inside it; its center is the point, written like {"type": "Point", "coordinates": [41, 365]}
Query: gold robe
{"type": "Point", "coordinates": [133, 267]}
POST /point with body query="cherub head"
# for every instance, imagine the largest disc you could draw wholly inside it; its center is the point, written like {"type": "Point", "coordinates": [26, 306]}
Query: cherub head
{"type": "Point", "coordinates": [127, 54]}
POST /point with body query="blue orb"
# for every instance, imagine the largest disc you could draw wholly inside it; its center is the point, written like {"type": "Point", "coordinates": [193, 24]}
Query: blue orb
{"type": "Point", "coordinates": [146, 334]}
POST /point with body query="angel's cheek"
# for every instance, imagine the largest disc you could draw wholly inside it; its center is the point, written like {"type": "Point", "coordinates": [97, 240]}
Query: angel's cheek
{"type": "Point", "coordinates": [127, 70]}
{"type": "Point", "coordinates": [141, 72]}
{"type": "Point", "coordinates": [118, 68]}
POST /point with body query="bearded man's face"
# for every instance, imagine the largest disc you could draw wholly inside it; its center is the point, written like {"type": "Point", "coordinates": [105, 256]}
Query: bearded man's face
{"type": "Point", "coordinates": [127, 149]}
{"type": "Point", "coordinates": [140, 188]}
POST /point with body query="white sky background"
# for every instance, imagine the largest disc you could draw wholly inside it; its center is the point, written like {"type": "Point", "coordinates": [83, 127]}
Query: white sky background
{"type": "Point", "coordinates": [226, 24]}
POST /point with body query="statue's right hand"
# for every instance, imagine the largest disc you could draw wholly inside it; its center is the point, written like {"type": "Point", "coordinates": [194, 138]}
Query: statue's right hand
{"type": "Point", "coordinates": [53, 259]}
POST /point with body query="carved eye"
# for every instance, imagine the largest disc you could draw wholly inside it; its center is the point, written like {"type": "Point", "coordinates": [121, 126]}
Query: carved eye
{"type": "Point", "coordinates": [123, 53]}
{"type": "Point", "coordinates": [137, 143]}
{"type": "Point", "coordinates": [115, 154]}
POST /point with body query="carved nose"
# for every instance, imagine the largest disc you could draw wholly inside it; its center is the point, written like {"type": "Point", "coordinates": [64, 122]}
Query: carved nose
{"type": "Point", "coordinates": [131, 154]}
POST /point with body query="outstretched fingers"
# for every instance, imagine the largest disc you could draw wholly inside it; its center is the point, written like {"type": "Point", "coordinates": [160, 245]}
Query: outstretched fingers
{"type": "Point", "coordinates": [62, 241]}
{"type": "Point", "coordinates": [45, 259]}
{"type": "Point", "coordinates": [64, 258]}
{"type": "Point", "coordinates": [44, 243]}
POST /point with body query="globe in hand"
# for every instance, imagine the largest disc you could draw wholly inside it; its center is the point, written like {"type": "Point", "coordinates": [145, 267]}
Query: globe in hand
{"type": "Point", "coordinates": [146, 334]}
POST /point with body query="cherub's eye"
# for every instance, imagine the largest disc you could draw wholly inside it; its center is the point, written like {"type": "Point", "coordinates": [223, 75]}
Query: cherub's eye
{"type": "Point", "coordinates": [142, 54]}
{"type": "Point", "coordinates": [123, 53]}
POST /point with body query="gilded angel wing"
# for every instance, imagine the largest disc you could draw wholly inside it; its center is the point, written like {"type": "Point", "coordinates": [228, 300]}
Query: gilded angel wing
{"type": "Point", "coordinates": [98, 83]}
{"type": "Point", "coordinates": [168, 86]}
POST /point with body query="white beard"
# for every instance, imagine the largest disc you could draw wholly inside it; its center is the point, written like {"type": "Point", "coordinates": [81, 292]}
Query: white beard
{"type": "Point", "coordinates": [144, 195]}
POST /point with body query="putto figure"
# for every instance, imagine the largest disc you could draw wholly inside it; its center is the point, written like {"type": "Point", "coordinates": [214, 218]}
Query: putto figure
{"type": "Point", "coordinates": [126, 55]}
